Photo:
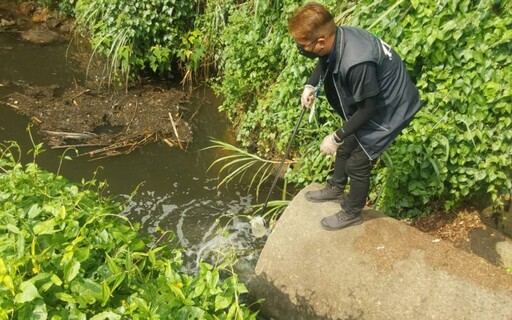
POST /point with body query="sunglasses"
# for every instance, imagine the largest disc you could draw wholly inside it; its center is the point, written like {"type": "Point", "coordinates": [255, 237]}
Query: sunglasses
{"type": "Point", "coordinates": [302, 49]}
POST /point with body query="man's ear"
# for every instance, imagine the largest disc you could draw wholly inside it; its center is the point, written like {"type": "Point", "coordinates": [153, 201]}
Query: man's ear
{"type": "Point", "coordinates": [322, 42]}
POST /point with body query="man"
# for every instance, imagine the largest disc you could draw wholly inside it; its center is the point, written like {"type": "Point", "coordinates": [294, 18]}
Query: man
{"type": "Point", "coordinates": [366, 84]}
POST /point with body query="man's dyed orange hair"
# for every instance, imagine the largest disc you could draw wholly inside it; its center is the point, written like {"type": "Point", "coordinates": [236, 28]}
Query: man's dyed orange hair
{"type": "Point", "coordinates": [311, 22]}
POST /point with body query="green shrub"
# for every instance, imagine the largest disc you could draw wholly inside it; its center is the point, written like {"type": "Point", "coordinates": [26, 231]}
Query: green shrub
{"type": "Point", "coordinates": [67, 253]}
{"type": "Point", "coordinates": [140, 36]}
{"type": "Point", "coordinates": [460, 144]}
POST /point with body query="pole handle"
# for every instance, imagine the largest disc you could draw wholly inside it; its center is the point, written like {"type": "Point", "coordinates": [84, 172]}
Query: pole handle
{"type": "Point", "coordinates": [303, 112]}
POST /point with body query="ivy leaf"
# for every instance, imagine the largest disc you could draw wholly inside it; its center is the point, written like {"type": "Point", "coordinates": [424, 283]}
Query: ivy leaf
{"type": "Point", "coordinates": [28, 293]}
{"type": "Point", "coordinates": [3, 269]}
{"type": "Point", "coordinates": [39, 311]}
{"type": "Point", "coordinates": [7, 280]}
{"type": "Point", "coordinates": [34, 211]}
{"type": "Point", "coordinates": [222, 302]}
{"type": "Point", "coordinates": [71, 270]}
{"type": "Point", "coordinates": [87, 291]}
{"type": "Point", "coordinates": [106, 315]}
{"type": "Point", "coordinates": [45, 227]}
{"type": "Point", "coordinates": [199, 289]}
{"type": "Point", "coordinates": [106, 292]}
{"type": "Point", "coordinates": [13, 228]}
{"type": "Point", "coordinates": [177, 291]}
{"type": "Point", "coordinates": [65, 297]}
{"type": "Point", "coordinates": [56, 280]}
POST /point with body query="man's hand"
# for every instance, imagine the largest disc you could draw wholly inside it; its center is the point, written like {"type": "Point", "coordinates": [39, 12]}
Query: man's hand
{"type": "Point", "coordinates": [308, 95]}
{"type": "Point", "coordinates": [329, 145]}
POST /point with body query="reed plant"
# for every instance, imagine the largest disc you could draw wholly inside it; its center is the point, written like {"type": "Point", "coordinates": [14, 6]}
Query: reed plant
{"type": "Point", "coordinates": [237, 163]}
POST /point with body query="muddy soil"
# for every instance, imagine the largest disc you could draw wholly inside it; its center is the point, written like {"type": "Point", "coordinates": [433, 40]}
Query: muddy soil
{"type": "Point", "coordinates": [97, 119]}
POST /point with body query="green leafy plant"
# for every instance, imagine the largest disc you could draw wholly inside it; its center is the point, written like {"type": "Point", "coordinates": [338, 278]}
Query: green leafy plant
{"type": "Point", "coordinates": [237, 163]}
{"type": "Point", "coordinates": [68, 253]}
{"type": "Point", "coordinates": [191, 53]}
{"type": "Point", "coordinates": [460, 143]}
{"type": "Point", "coordinates": [139, 36]}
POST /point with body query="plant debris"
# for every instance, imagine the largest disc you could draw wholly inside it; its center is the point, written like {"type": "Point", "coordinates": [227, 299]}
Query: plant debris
{"type": "Point", "coordinates": [454, 227]}
{"type": "Point", "coordinates": [110, 122]}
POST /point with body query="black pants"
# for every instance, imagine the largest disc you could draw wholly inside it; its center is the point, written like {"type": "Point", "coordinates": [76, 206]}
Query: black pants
{"type": "Point", "coordinates": [352, 162]}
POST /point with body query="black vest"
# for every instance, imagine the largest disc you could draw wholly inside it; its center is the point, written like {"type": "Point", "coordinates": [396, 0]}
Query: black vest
{"type": "Point", "coordinates": [398, 100]}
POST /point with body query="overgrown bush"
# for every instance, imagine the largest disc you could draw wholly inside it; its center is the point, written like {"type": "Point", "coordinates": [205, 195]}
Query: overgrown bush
{"type": "Point", "coordinates": [141, 36]}
{"type": "Point", "coordinates": [457, 52]}
{"type": "Point", "coordinates": [460, 144]}
{"type": "Point", "coordinates": [67, 253]}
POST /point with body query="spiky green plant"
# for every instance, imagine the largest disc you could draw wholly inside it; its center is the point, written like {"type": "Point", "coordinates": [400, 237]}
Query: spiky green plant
{"type": "Point", "coordinates": [238, 163]}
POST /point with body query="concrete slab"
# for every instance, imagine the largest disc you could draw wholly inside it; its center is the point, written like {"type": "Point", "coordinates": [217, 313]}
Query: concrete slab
{"type": "Point", "coordinates": [382, 269]}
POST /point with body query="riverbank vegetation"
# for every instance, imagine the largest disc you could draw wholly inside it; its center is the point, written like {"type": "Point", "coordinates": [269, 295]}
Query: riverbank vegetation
{"type": "Point", "coordinates": [68, 253]}
{"type": "Point", "coordinates": [458, 52]}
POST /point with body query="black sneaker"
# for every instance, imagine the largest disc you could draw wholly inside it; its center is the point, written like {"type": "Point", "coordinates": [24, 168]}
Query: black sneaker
{"type": "Point", "coordinates": [341, 220]}
{"type": "Point", "coordinates": [329, 193]}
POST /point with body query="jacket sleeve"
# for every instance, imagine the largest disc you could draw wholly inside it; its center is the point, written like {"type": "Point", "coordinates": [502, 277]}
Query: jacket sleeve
{"type": "Point", "coordinates": [365, 110]}
{"type": "Point", "coordinates": [362, 82]}
{"type": "Point", "coordinates": [315, 75]}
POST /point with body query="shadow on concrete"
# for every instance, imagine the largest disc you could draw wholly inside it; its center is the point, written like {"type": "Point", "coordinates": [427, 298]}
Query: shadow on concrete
{"type": "Point", "coordinates": [370, 214]}
{"type": "Point", "coordinates": [277, 304]}
{"type": "Point", "coordinates": [483, 244]}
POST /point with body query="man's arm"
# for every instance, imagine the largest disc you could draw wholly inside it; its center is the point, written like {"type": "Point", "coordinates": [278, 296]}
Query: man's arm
{"type": "Point", "coordinates": [362, 81]}
{"type": "Point", "coordinates": [365, 111]}
{"type": "Point", "coordinates": [315, 75]}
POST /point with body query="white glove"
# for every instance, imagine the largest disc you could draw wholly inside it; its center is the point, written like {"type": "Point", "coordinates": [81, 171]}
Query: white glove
{"type": "Point", "coordinates": [308, 95]}
{"type": "Point", "coordinates": [329, 145]}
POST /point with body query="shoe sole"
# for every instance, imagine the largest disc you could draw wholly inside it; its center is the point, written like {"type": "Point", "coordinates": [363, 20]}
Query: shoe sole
{"type": "Point", "coordinates": [325, 200]}
{"type": "Point", "coordinates": [355, 223]}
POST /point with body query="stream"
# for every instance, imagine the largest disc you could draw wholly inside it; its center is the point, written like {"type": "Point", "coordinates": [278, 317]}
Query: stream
{"type": "Point", "coordinates": [175, 189]}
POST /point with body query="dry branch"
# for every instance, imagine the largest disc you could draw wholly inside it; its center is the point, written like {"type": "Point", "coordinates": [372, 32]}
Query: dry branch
{"type": "Point", "coordinates": [10, 105]}
{"type": "Point", "coordinates": [85, 145]}
{"type": "Point", "coordinates": [175, 131]}
{"type": "Point", "coordinates": [71, 135]}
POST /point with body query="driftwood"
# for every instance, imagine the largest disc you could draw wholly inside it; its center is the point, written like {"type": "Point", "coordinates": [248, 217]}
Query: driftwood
{"type": "Point", "coordinates": [169, 143]}
{"type": "Point", "coordinates": [71, 135]}
{"type": "Point", "coordinates": [10, 105]}
{"type": "Point", "coordinates": [85, 145]}
{"type": "Point", "coordinates": [36, 120]}
{"type": "Point", "coordinates": [80, 93]}
{"type": "Point", "coordinates": [175, 131]}
{"type": "Point", "coordinates": [114, 149]}
{"type": "Point", "coordinates": [172, 142]}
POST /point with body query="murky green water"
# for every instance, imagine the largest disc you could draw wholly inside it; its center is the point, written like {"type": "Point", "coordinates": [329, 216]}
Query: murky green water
{"type": "Point", "coordinates": [177, 192]}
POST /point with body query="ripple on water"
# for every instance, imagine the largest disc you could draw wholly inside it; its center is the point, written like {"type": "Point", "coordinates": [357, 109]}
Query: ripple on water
{"type": "Point", "coordinates": [197, 223]}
